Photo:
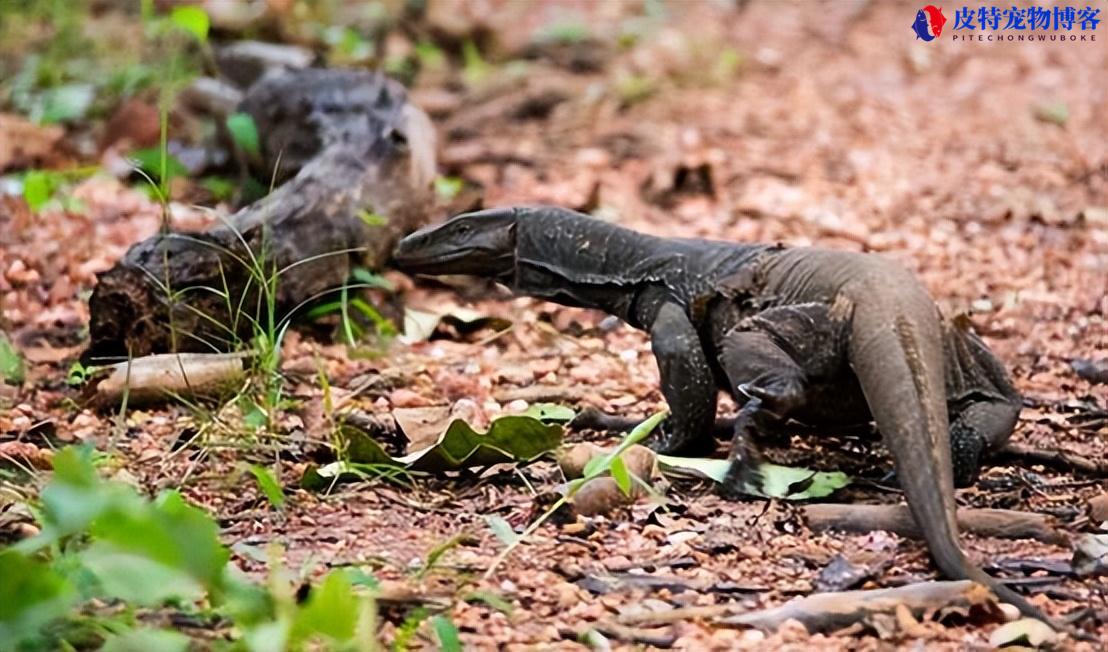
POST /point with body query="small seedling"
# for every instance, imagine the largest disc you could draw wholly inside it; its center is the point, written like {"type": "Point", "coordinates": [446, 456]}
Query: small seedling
{"type": "Point", "coordinates": [595, 468]}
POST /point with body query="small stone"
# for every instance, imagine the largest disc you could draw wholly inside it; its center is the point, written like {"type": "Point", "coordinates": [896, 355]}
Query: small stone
{"type": "Point", "coordinates": [1010, 612]}
{"type": "Point", "coordinates": [516, 406]}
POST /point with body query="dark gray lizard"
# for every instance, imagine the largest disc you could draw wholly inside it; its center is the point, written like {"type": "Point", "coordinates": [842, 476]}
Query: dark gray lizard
{"type": "Point", "coordinates": [817, 336]}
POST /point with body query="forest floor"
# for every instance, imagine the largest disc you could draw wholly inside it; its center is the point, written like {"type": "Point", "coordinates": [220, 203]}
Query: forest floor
{"type": "Point", "coordinates": [980, 166]}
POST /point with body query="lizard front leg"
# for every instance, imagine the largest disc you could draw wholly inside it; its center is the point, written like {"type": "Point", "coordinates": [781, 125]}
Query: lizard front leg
{"type": "Point", "coordinates": [771, 383]}
{"type": "Point", "coordinates": [687, 383]}
{"type": "Point", "coordinates": [975, 429]}
{"type": "Point", "coordinates": [982, 403]}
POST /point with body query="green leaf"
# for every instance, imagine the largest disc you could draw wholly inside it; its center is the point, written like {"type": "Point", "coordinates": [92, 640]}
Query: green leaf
{"type": "Point", "coordinates": [244, 132]}
{"type": "Point", "coordinates": [510, 438]}
{"type": "Point", "coordinates": [447, 188]}
{"type": "Point", "coordinates": [170, 532]}
{"type": "Point", "coordinates": [1055, 113]}
{"type": "Point", "coordinates": [191, 19]}
{"type": "Point", "coordinates": [550, 412]}
{"type": "Point", "coordinates": [11, 362]}
{"type": "Point", "coordinates": [786, 482]}
{"type": "Point", "coordinates": [491, 599]}
{"type": "Point", "coordinates": [269, 485]}
{"type": "Point", "coordinates": [253, 416]}
{"type": "Point", "coordinates": [331, 610]}
{"type": "Point", "coordinates": [77, 496]}
{"type": "Point", "coordinates": [149, 160]}
{"type": "Point", "coordinates": [366, 277]}
{"type": "Point", "coordinates": [137, 578]}
{"type": "Point", "coordinates": [447, 634]}
{"type": "Point", "coordinates": [31, 595]}
{"type": "Point", "coordinates": [221, 188]}
{"type": "Point", "coordinates": [595, 466]}
{"type": "Point", "coordinates": [66, 103]}
{"type": "Point", "coordinates": [372, 219]}
{"type": "Point", "coordinates": [502, 529]}
{"type": "Point", "coordinates": [430, 56]}
{"type": "Point", "coordinates": [38, 188]}
{"type": "Point", "coordinates": [78, 374]}
{"type": "Point", "coordinates": [474, 67]}
{"type": "Point", "coordinates": [598, 465]}
{"type": "Point", "coordinates": [147, 640]}
{"type": "Point", "coordinates": [621, 475]}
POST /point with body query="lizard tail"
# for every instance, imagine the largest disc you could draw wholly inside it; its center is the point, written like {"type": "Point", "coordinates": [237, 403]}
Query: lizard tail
{"type": "Point", "coordinates": [896, 353]}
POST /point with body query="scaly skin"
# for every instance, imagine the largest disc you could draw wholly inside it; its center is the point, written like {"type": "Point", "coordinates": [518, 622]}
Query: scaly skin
{"type": "Point", "coordinates": [818, 336]}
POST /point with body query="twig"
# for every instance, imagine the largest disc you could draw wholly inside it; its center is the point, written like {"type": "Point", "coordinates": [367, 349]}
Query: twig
{"type": "Point", "coordinates": [1001, 523]}
{"type": "Point", "coordinates": [653, 637]}
{"type": "Point", "coordinates": [1058, 458]}
{"type": "Point", "coordinates": [682, 614]}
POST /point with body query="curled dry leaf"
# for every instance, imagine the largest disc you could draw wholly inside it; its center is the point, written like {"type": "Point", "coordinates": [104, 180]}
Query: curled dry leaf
{"type": "Point", "coordinates": [158, 377]}
{"type": "Point", "coordinates": [1025, 632]}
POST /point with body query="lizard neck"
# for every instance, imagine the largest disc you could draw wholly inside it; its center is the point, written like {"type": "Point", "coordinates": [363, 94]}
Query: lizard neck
{"type": "Point", "coordinates": [579, 261]}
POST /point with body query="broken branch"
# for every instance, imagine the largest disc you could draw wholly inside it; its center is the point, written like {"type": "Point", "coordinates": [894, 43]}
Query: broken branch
{"type": "Point", "coordinates": [1000, 523]}
{"type": "Point", "coordinates": [830, 611]}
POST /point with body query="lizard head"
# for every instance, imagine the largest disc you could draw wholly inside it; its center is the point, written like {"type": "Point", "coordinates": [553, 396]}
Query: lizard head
{"type": "Point", "coordinates": [482, 243]}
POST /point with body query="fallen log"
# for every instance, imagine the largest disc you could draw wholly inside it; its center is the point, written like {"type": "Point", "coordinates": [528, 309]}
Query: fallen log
{"type": "Point", "coordinates": [1000, 523]}
{"type": "Point", "coordinates": [358, 160]}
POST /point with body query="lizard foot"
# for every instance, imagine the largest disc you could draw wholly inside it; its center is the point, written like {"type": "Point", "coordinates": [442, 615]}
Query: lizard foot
{"type": "Point", "coordinates": [740, 480]}
{"type": "Point", "coordinates": [665, 441]}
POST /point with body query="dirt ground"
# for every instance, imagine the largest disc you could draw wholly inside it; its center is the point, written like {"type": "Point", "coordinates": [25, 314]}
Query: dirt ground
{"type": "Point", "coordinates": [833, 126]}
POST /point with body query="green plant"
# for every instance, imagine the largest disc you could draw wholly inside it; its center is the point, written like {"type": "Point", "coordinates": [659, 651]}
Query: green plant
{"type": "Point", "coordinates": [346, 307]}
{"type": "Point", "coordinates": [101, 543]}
{"type": "Point", "coordinates": [40, 187]}
{"type": "Point", "coordinates": [12, 369]}
{"type": "Point", "coordinates": [595, 468]}
{"type": "Point", "coordinates": [269, 485]}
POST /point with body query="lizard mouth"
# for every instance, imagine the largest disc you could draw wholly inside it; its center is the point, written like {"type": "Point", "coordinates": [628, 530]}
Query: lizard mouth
{"type": "Point", "coordinates": [421, 263]}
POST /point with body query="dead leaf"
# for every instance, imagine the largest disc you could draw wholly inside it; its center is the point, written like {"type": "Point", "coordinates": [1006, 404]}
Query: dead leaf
{"type": "Point", "coordinates": [24, 144]}
{"type": "Point", "coordinates": [1024, 632]}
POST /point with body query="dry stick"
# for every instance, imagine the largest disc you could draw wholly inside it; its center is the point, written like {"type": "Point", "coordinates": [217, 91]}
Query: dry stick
{"type": "Point", "coordinates": [655, 638]}
{"type": "Point", "coordinates": [683, 614]}
{"type": "Point", "coordinates": [1000, 523]}
{"type": "Point", "coordinates": [830, 611]}
{"type": "Point", "coordinates": [1057, 458]}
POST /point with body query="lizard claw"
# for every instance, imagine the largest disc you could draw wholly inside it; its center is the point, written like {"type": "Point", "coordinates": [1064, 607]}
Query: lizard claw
{"type": "Point", "coordinates": [890, 479]}
{"type": "Point", "coordinates": [742, 481]}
